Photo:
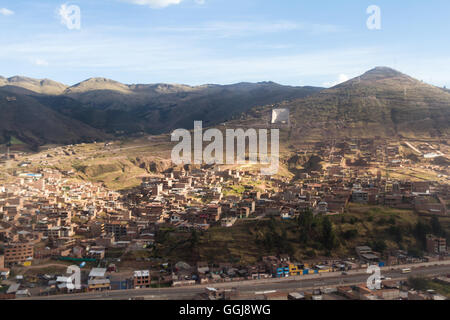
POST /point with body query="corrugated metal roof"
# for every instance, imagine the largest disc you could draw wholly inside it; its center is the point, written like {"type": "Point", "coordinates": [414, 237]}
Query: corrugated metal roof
{"type": "Point", "coordinates": [97, 272]}
{"type": "Point", "coordinates": [13, 288]}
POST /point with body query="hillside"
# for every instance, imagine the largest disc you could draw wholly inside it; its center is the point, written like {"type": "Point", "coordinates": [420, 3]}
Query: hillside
{"type": "Point", "coordinates": [41, 86]}
{"type": "Point", "coordinates": [160, 108]}
{"type": "Point", "coordinates": [382, 102]}
{"type": "Point", "coordinates": [248, 241]}
{"type": "Point", "coordinates": [34, 124]}
{"type": "Point", "coordinates": [98, 106]}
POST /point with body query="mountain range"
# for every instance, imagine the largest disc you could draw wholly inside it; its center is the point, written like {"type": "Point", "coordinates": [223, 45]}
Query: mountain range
{"type": "Point", "coordinates": [99, 108]}
{"type": "Point", "coordinates": [381, 102]}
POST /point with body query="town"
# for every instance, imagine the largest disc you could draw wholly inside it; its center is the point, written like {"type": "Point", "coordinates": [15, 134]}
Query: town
{"type": "Point", "coordinates": [121, 240]}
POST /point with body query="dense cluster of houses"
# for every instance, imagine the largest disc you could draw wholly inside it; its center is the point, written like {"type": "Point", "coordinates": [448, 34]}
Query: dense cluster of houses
{"type": "Point", "coordinates": [48, 214]}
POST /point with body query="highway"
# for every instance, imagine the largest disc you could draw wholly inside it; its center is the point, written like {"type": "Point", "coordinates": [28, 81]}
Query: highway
{"type": "Point", "coordinates": [250, 287]}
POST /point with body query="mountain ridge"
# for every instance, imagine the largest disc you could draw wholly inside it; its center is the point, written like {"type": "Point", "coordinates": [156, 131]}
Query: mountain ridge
{"type": "Point", "coordinates": [380, 102]}
{"type": "Point", "coordinates": [117, 109]}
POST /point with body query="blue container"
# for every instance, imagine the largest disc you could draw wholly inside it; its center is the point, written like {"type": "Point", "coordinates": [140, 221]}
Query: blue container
{"type": "Point", "coordinates": [381, 264]}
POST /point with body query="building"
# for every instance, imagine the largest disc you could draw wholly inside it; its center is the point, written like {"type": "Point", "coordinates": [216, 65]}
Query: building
{"type": "Point", "coordinates": [366, 254]}
{"type": "Point", "coordinates": [117, 228]}
{"type": "Point", "coordinates": [97, 280]}
{"type": "Point", "coordinates": [214, 213]}
{"type": "Point", "coordinates": [97, 252]}
{"type": "Point", "coordinates": [295, 269]}
{"type": "Point", "coordinates": [436, 245]}
{"type": "Point", "coordinates": [141, 279]}
{"type": "Point", "coordinates": [18, 253]}
{"type": "Point", "coordinates": [360, 196]}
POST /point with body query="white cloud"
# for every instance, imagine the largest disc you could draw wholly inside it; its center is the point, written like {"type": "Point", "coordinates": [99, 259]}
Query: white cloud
{"type": "Point", "coordinates": [6, 12]}
{"type": "Point", "coordinates": [227, 29]}
{"type": "Point", "coordinates": [155, 3]}
{"type": "Point", "coordinates": [342, 78]}
{"type": "Point", "coordinates": [41, 62]}
{"type": "Point", "coordinates": [176, 58]}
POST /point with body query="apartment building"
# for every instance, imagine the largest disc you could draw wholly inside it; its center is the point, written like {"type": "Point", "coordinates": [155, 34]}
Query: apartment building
{"type": "Point", "coordinates": [97, 280]}
{"type": "Point", "coordinates": [141, 279]}
{"type": "Point", "coordinates": [18, 253]}
{"type": "Point", "coordinates": [117, 228]}
{"type": "Point", "coordinates": [436, 245]}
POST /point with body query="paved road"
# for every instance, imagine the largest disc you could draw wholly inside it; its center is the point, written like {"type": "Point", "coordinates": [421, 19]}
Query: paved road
{"type": "Point", "coordinates": [303, 283]}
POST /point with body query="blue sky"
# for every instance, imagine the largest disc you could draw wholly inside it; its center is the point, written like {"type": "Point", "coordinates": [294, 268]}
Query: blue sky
{"type": "Point", "coordinates": [293, 42]}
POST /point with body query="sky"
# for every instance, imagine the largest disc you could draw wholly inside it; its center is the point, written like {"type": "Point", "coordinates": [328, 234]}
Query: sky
{"type": "Point", "coordinates": [291, 42]}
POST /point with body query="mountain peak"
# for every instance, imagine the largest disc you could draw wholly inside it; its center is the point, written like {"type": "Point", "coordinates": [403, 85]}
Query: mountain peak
{"type": "Point", "coordinates": [42, 86]}
{"type": "Point", "coordinates": [21, 79]}
{"type": "Point", "coordinates": [99, 83]}
{"type": "Point", "coordinates": [99, 79]}
{"type": "Point", "coordinates": [380, 76]}
{"type": "Point", "coordinates": [383, 72]}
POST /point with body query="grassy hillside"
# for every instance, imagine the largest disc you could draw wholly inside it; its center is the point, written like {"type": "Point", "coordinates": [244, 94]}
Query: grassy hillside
{"type": "Point", "coordinates": [42, 86]}
{"type": "Point", "coordinates": [33, 123]}
{"type": "Point", "coordinates": [382, 102]}
{"type": "Point", "coordinates": [161, 108]}
{"type": "Point", "coordinates": [248, 241]}
{"type": "Point", "coordinates": [118, 108]}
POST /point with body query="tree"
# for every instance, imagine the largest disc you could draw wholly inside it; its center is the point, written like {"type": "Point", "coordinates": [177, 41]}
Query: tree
{"type": "Point", "coordinates": [436, 226]}
{"type": "Point", "coordinates": [418, 283]}
{"type": "Point", "coordinates": [396, 233]}
{"type": "Point", "coordinates": [268, 241]}
{"type": "Point", "coordinates": [350, 234]}
{"type": "Point", "coordinates": [285, 245]}
{"type": "Point", "coordinates": [272, 224]}
{"type": "Point", "coordinates": [328, 235]}
{"type": "Point", "coordinates": [420, 232]}
{"type": "Point", "coordinates": [379, 245]}
{"type": "Point", "coordinates": [194, 238]}
{"type": "Point", "coordinates": [305, 222]}
{"type": "Point", "coordinates": [415, 252]}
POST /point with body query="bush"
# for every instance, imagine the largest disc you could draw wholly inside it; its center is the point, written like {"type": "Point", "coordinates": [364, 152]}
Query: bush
{"type": "Point", "coordinates": [396, 233]}
{"type": "Point", "coordinates": [350, 234]}
{"type": "Point", "coordinates": [418, 283]}
{"type": "Point", "coordinates": [415, 252]}
{"type": "Point", "coordinates": [311, 253]}
{"type": "Point", "coordinates": [379, 245]}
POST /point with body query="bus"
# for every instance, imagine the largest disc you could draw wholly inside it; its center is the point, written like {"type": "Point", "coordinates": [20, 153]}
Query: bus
{"type": "Point", "coordinates": [406, 270]}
